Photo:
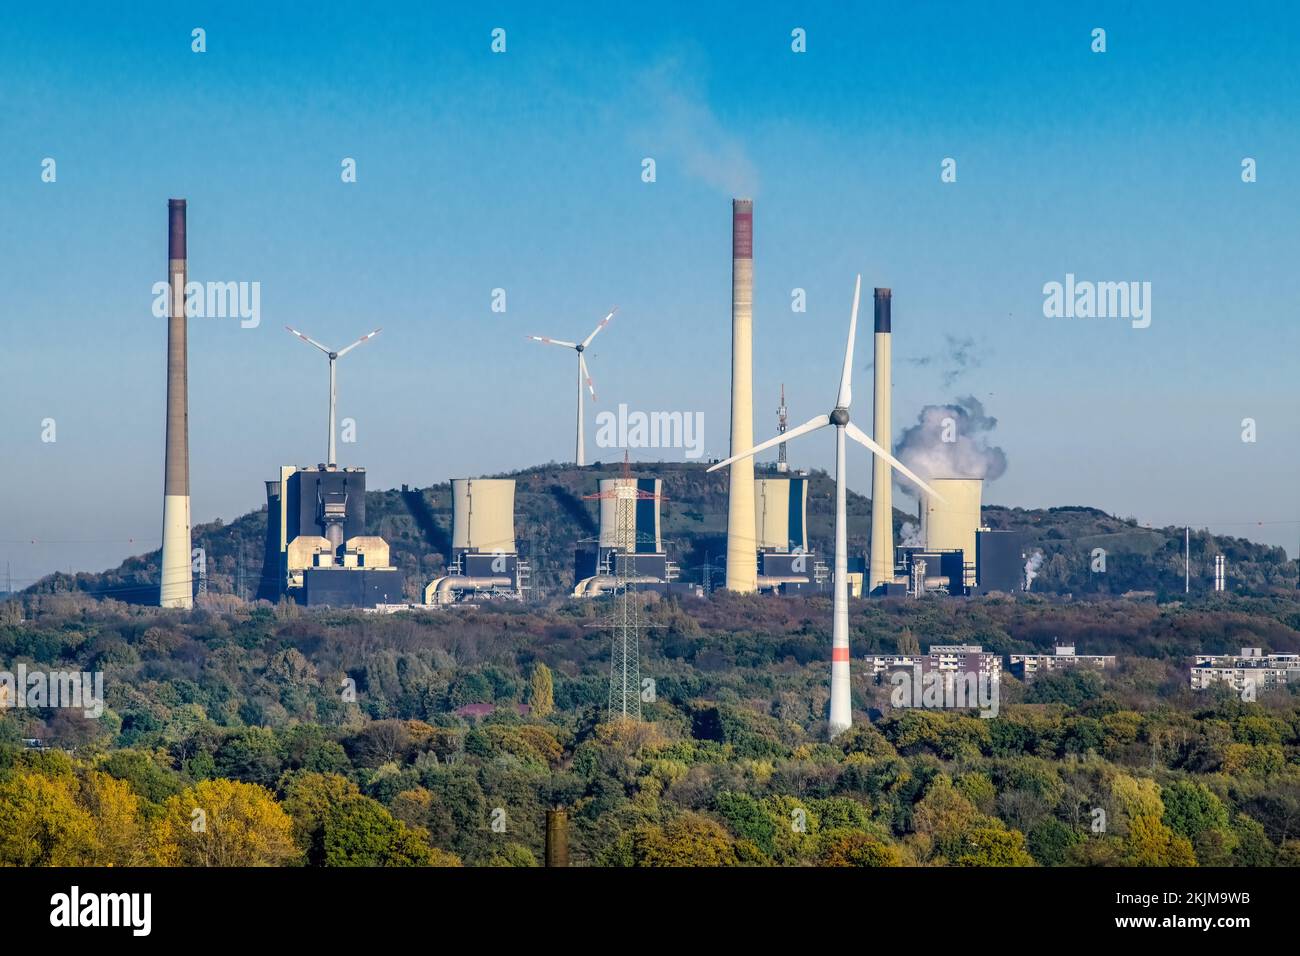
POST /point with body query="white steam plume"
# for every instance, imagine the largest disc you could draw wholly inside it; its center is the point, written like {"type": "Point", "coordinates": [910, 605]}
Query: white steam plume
{"type": "Point", "coordinates": [951, 441]}
{"type": "Point", "coordinates": [1032, 567]}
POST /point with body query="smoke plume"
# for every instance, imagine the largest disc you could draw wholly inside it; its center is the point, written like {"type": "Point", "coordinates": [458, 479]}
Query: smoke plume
{"type": "Point", "coordinates": [681, 124]}
{"type": "Point", "coordinates": [951, 441]}
{"type": "Point", "coordinates": [911, 535]}
{"type": "Point", "coordinates": [956, 359]}
{"type": "Point", "coordinates": [1032, 567]}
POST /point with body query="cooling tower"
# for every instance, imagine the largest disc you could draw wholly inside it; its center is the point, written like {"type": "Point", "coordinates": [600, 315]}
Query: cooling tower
{"type": "Point", "coordinates": [645, 538]}
{"type": "Point", "coordinates": [951, 524]}
{"type": "Point", "coordinates": [781, 514]}
{"type": "Point", "coordinates": [742, 555]}
{"type": "Point", "coordinates": [483, 515]}
{"type": "Point", "coordinates": [176, 587]}
{"type": "Point", "coordinates": [881, 569]}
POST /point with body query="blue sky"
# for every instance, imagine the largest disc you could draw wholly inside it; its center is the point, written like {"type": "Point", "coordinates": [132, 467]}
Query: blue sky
{"type": "Point", "coordinates": [522, 171]}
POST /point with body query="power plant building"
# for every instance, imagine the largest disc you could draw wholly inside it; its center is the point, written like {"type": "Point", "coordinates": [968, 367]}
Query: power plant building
{"type": "Point", "coordinates": [484, 561]}
{"type": "Point", "coordinates": [999, 561]}
{"type": "Point", "coordinates": [957, 555]}
{"type": "Point", "coordinates": [637, 551]}
{"type": "Point", "coordinates": [951, 524]}
{"type": "Point", "coordinates": [317, 549]}
{"type": "Point", "coordinates": [785, 564]}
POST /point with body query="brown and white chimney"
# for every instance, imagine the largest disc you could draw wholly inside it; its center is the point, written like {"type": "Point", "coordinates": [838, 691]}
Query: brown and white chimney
{"type": "Point", "coordinates": [881, 566]}
{"type": "Point", "coordinates": [176, 589]}
{"type": "Point", "coordinates": [742, 545]}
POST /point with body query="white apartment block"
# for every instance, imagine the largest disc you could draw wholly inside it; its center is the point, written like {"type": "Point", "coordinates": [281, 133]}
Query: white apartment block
{"type": "Point", "coordinates": [1251, 666]}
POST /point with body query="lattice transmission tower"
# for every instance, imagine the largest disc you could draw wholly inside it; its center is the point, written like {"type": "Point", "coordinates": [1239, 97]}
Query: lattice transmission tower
{"type": "Point", "coordinates": [624, 621]}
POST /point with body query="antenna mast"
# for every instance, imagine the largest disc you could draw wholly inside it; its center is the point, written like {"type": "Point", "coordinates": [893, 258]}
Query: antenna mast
{"type": "Point", "coordinates": [782, 465]}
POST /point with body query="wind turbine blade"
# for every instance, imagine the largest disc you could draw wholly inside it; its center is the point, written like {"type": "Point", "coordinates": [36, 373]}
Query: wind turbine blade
{"type": "Point", "coordinates": [845, 398]}
{"type": "Point", "coordinates": [365, 338]}
{"type": "Point", "coordinates": [603, 322]}
{"type": "Point", "coordinates": [591, 386]}
{"type": "Point", "coordinates": [859, 436]}
{"type": "Point", "coordinates": [545, 340]}
{"type": "Point", "coordinates": [309, 341]}
{"type": "Point", "coordinates": [821, 421]}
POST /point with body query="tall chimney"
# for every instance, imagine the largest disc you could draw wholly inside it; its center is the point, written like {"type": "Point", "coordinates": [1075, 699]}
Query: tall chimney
{"type": "Point", "coordinates": [881, 569]}
{"type": "Point", "coordinates": [742, 546]}
{"type": "Point", "coordinates": [557, 837]}
{"type": "Point", "coordinates": [176, 589]}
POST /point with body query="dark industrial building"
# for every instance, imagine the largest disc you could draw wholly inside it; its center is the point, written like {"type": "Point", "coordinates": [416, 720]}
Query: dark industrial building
{"type": "Point", "coordinates": [999, 561]}
{"type": "Point", "coordinates": [317, 549]}
{"type": "Point", "coordinates": [998, 566]}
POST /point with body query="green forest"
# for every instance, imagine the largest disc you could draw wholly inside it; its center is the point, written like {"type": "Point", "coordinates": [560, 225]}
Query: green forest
{"type": "Point", "coordinates": [269, 735]}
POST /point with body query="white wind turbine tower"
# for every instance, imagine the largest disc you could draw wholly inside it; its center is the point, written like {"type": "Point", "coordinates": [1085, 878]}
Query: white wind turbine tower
{"type": "Point", "coordinates": [841, 716]}
{"type": "Point", "coordinates": [583, 375]}
{"type": "Point", "coordinates": [333, 357]}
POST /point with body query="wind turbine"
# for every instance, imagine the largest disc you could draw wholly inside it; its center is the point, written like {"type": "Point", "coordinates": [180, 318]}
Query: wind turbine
{"type": "Point", "coordinates": [333, 357]}
{"type": "Point", "coordinates": [841, 716]}
{"type": "Point", "coordinates": [583, 375]}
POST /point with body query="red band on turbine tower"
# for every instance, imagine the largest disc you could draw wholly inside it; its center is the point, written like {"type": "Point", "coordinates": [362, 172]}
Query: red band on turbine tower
{"type": "Point", "coordinates": [839, 654]}
{"type": "Point", "coordinates": [742, 229]}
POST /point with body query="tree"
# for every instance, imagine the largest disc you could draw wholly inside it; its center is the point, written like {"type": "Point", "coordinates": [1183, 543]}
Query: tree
{"type": "Point", "coordinates": [994, 845]}
{"type": "Point", "coordinates": [41, 823]}
{"type": "Point", "coordinates": [1253, 845]}
{"type": "Point", "coordinates": [237, 824]}
{"type": "Point", "coordinates": [513, 854]}
{"type": "Point", "coordinates": [858, 849]}
{"type": "Point", "coordinates": [1050, 841]}
{"type": "Point", "coordinates": [1191, 807]}
{"type": "Point", "coordinates": [120, 839]}
{"type": "Point", "coordinates": [308, 797]}
{"type": "Point", "coordinates": [358, 831]}
{"type": "Point", "coordinates": [689, 840]}
{"type": "Point", "coordinates": [542, 695]}
{"type": "Point", "coordinates": [1194, 812]}
{"type": "Point", "coordinates": [144, 772]}
{"type": "Point", "coordinates": [1151, 843]}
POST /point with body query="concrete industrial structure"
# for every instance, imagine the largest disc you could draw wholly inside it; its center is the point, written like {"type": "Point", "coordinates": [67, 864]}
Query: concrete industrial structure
{"type": "Point", "coordinates": [785, 565]}
{"type": "Point", "coordinates": [881, 558]}
{"type": "Point", "coordinates": [484, 561]}
{"type": "Point", "coordinates": [317, 549]}
{"type": "Point", "coordinates": [176, 587]}
{"type": "Point", "coordinates": [1251, 669]}
{"type": "Point", "coordinates": [839, 417]}
{"type": "Point", "coordinates": [999, 561]}
{"type": "Point", "coordinates": [630, 540]}
{"type": "Point", "coordinates": [949, 523]}
{"type": "Point", "coordinates": [742, 553]}
{"type": "Point", "coordinates": [1028, 666]}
